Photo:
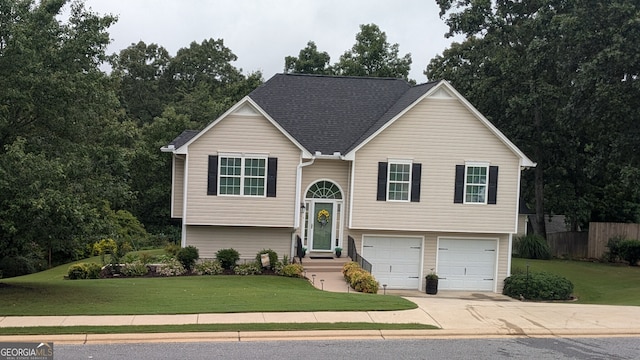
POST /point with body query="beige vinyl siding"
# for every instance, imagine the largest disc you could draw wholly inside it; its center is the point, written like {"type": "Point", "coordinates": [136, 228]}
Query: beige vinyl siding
{"type": "Point", "coordinates": [177, 188]}
{"type": "Point", "coordinates": [245, 135]}
{"type": "Point", "coordinates": [430, 248]}
{"type": "Point", "coordinates": [248, 241]}
{"type": "Point", "coordinates": [439, 134]}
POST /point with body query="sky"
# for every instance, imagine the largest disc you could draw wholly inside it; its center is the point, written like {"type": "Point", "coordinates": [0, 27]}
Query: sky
{"type": "Point", "coordinates": [261, 33]}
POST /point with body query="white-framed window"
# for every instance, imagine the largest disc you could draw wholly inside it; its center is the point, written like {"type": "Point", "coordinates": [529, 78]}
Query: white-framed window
{"type": "Point", "coordinates": [476, 179]}
{"type": "Point", "coordinates": [399, 180]}
{"type": "Point", "coordinates": [242, 175]}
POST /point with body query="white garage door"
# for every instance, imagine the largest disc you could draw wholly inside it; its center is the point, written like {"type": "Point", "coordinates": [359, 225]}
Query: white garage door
{"type": "Point", "coordinates": [467, 264]}
{"type": "Point", "coordinates": [396, 261]}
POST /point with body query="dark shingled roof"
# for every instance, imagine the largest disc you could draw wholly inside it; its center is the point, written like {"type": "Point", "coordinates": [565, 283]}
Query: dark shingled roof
{"type": "Point", "coordinates": [183, 138]}
{"type": "Point", "coordinates": [334, 114]}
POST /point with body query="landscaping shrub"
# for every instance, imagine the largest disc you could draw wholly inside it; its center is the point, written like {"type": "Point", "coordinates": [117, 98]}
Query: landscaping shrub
{"type": "Point", "coordinates": [273, 257]}
{"type": "Point", "coordinates": [227, 257]}
{"type": "Point", "coordinates": [208, 267]}
{"type": "Point", "coordinates": [348, 267]}
{"type": "Point", "coordinates": [292, 270]}
{"type": "Point", "coordinates": [359, 279]}
{"type": "Point", "coordinates": [93, 270]}
{"type": "Point", "coordinates": [84, 271]}
{"type": "Point", "coordinates": [532, 247]}
{"type": "Point", "coordinates": [12, 266]}
{"type": "Point", "coordinates": [172, 249]}
{"type": "Point", "coordinates": [188, 256]}
{"type": "Point", "coordinates": [248, 269]}
{"type": "Point", "coordinates": [538, 286]}
{"type": "Point", "coordinates": [171, 267]}
{"type": "Point", "coordinates": [614, 253]}
{"type": "Point", "coordinates": [135, 268]}
{"type": "Point", "coordinates": [630, 251]}
{"type": "Point", "coordinates": [367, 284]}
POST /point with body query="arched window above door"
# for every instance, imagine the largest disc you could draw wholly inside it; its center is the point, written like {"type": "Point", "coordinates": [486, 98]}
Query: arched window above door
{"type": "Point", "coordinates": [324, 190]}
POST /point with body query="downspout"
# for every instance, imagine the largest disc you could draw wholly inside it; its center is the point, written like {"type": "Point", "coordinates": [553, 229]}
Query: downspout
{"type": "Point", "coordinates": [296, 220]}
{"type": "Point", "coordinates": [185, 180]}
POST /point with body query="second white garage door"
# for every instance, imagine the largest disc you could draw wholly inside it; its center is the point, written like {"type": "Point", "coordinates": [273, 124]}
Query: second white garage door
{"type": "Point", "coordinates": [396, 261]}
{"type": "Point", "coordinates": [467, 264]}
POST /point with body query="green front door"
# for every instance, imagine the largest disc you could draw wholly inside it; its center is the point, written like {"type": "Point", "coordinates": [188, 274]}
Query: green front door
{"type": "Point", "coordinates": [322, 226]}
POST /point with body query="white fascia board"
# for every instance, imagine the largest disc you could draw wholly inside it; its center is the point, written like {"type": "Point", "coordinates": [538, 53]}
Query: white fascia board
{"type": "Point", "coordinates": [526, 162]}
{"type": "Point", "coordinates": [245, 100]}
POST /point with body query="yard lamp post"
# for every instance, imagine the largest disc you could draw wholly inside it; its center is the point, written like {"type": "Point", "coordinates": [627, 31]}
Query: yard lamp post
{"type": "Point", "coordinates": [384, 289]}
{"type": "Point", "coordinates": [321, 284]}
{"type": "Point", "coordinates": [313, 279]}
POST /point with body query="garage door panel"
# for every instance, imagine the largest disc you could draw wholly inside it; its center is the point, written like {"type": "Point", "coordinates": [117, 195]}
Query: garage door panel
{"type": "Point", "coordinates": [396, 261]}
{"type": "Point", "coordinates": [467, 264]}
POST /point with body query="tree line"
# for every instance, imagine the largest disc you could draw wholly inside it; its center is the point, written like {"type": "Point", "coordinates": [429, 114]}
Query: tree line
{"type": "Point", "coordinates": [79, 147]}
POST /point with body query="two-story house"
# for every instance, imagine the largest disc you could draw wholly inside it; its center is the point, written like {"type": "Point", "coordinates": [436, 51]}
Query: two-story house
{"type": "Point", "coordinates": [415, 174]}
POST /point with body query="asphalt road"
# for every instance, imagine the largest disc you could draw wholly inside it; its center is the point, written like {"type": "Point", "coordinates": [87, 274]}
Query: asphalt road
{"type": "Point", "coordinates": [611, 348]}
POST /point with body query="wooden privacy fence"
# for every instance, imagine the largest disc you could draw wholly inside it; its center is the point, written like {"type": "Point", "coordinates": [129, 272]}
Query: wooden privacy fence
{"type": "Point", "coordinates": [600, 233]}
{"type": "Point", "coordinates": [572, 244]}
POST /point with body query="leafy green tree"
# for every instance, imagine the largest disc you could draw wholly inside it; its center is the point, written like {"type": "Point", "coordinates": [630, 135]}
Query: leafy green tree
{"type": "Point", "coordinates": [144, 86]}
{"type": "Point", "coordinates": [63, 148]}
{"type": "Point", "coordinates": [309, 61]}
{"type": "Point", "coordinates": [561, 79]}
{"type": "Point", "coordinates": [372, 55]}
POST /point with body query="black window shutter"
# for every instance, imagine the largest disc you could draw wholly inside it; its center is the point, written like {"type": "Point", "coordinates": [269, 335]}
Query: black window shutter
{"type": "Point", "coordinates": [493, 185]}
{"type": "Point", "coordinates": [459, 185]}
{"type": "Point", "coordinates": [416, 174]}
{"type": "Point", "coordinates": [382, 181]}
{"type": "Point", "coordinates": [212, 175]}
{"type": "Point", "coordinates": [272, 176]}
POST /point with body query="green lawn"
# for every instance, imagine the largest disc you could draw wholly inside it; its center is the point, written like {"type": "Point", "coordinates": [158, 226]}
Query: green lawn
{"type": "Point", "coordinates": [59, 330]}
{"type": "Point", "coordinates": [594, 283]}
{"type": "Point", "coordinates": [46, 293]}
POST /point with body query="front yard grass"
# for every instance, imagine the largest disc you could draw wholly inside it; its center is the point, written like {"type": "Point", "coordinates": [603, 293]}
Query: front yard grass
{"type": "Point", "coordinates": [46, 293]}
{"type": "Point", "coordinates": [593, 282]}
{"type": "Point", "coordinates": [149, 329]}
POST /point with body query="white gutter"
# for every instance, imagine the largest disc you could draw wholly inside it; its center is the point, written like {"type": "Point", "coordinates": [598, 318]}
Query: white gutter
{"type": "Point", "coordinates": [296, 222]}
{"type": "Point", "coordinates": [298, 201]}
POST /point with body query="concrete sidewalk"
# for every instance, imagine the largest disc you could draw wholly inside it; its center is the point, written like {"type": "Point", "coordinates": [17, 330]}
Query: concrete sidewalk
{"type": "Point", "coordinates": [457, 314]}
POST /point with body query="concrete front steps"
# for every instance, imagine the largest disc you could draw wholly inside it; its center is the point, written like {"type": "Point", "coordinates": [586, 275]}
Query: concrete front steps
{"type": "Point", "coordinates": [323, 265]}
{"type": "Point", "coordinates": [326, 274]}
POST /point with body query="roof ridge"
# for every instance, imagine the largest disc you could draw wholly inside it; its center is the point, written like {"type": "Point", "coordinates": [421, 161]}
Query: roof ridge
{"type": "Point", "coordinates": [346, 77]}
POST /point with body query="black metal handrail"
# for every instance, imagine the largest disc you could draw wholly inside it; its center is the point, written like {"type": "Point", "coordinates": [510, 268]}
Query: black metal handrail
{"type": "Point", "coordinates": [353, 254]}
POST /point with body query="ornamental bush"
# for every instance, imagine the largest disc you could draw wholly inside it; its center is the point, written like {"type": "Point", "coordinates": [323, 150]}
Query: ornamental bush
{"type": "Point", "coordinates": [359, 279]}
{"type": "Point", "coordinates": [134, 268]}
{"type": "Point", "coordinates": [538, 286]}
{"type": "Point", "coordinates": [84, 271]}
{"type": "Point", "coordinates": [292, 270]}
{"type": "Point", "coordinates": [11, 266]}
{"type": "Point", "coordinates": [273, 257]}
{"type": "Point", "coordinates": [248, 269]}
{"type": "Point", "coordinates": [171, 267]}
{"type": "Point", "coordinates": [228, 257]}
{"type": "Point", "coordinates": [348, 267]}
{"type": "Point", "coordinates": [208, 267]}
{"type": "Point", "coordinates": [188, 257]}
{"type": "Point", "coordinates": [532, 247]}
{"type": "Point", "coordinates": [630, 251]}
{"type": "Point", "coordinates": [367, 284]}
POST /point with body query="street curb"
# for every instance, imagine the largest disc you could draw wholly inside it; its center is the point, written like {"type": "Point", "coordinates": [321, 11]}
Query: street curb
{"type": "Point", "coordinates": [232, 336]}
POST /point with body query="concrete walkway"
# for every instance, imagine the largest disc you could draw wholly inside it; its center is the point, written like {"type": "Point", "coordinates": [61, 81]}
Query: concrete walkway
{"type": "Point", "coordinates": [457, 314]}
